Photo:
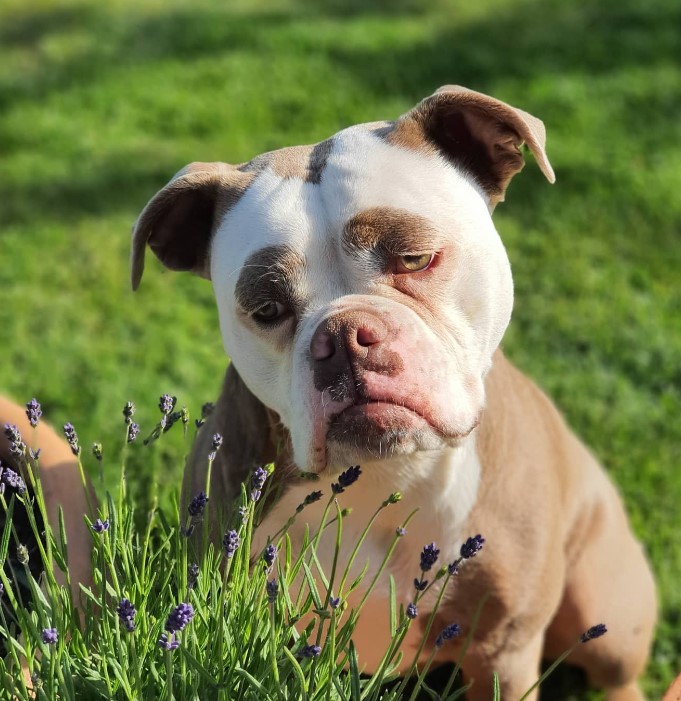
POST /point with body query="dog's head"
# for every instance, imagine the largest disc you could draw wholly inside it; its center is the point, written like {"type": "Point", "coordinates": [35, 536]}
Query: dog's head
{"type": "Point", "coordinates": [361, 285]}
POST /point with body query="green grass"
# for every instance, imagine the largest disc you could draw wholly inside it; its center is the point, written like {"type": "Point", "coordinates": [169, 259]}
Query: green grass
{"type": "Point", "coordinates": [101, 102]}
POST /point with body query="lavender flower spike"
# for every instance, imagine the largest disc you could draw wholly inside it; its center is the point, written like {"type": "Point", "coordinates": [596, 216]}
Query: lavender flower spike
{"type": "Point", "coordinates": [472, 547]}
{"type": "Point", "coordinates": [269, 555]}
{"type": "Point", "coordinates": [100, 526]}
{"type": "Point", "coordinates": [215, 446]}
{"type": "Point", "coordinates": [50, 636]}
{"type": "Point", "coordinates": [128, 412]}
{"type": "Point", "coordinates": [345, 479]}
{"type": "Point", "coordinates": [310, 651]}
{"type": "Point", "coordinates": [429, 556]}
{"type": "Point", "coordinates": [412, 611]}
{"type": "Point", "coordinates": [166, 403]}
{"type": "Point", "coordinates": [72, 438]}
{"type": "Point", "coordinates": [168, 642]}
{"type": "Point", "coordinates": [16, 445]}
{"type": "Point", "coordinates": [257, 482]}
{"type": "Point", "coordinates": [197, 505]}
{"type": "Point", "coordinates": [13, 479]}
{"type": "Point", "coordinates": [272, 588]}
{"type": "Point", "coordinates": [133, 431]}
{"type": "Point", "coordinates": [593, 633]}
{"type": "Point", "coordinates": [230, 543]}
{"type": "Point", "coordinates": [33, 412]}
{"type": "Point", "coordinates": [179, 617]}
{"type": "Point", "coordinates": [127, 612]}
{"type": "Point", "coordinates": [450, 632]}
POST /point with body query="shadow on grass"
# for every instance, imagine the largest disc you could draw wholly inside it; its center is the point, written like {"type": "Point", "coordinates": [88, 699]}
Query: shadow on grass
{"type": "Point", "coordinates": [535, 38]}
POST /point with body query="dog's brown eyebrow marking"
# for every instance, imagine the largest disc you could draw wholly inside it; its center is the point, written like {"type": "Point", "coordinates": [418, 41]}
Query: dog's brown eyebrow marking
{"type": "Point", "coordinates": [304, 162]}
{"type": "Point", "coordinates": [390, 230]}
{"type": "Point", "coordinates": [269, 275]}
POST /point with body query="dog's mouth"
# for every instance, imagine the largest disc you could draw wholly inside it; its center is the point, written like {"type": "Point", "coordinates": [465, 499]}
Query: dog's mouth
{"type": "Point", "coordinates": [376, 429]}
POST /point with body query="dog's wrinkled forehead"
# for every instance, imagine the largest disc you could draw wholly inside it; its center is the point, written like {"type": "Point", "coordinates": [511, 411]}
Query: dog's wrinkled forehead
{"type": "Point", "coordinates": [352, 193]}
{"type": "Point", "coordinates": [455, 137]}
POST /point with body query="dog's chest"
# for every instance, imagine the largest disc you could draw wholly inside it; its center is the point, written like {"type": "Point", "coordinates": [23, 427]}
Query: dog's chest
{"type": "Point", "coordinates": [438, 491]}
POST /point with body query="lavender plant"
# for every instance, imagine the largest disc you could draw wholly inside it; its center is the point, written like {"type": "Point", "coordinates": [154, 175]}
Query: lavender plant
{"type": "Point", "coordinates": [173, 616]}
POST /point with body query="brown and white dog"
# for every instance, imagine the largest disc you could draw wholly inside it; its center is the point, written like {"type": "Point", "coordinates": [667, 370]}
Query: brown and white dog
{"type": "Point", "coordinates": [362, 292]}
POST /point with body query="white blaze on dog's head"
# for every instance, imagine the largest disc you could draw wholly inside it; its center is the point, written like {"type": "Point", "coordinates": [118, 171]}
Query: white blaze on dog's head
{"type": "Point", "coordinates": [361, 285]}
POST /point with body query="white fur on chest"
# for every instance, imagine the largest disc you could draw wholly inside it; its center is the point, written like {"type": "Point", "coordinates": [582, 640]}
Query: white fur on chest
{"type": "Point", "coordinates": [441, 485]}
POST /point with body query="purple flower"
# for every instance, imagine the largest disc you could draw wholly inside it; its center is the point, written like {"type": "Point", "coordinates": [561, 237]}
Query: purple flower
{"type": "Point", "coordinates": [192, 575]}
{"type": "Point", "coordinates": [453, 567]}
{"type": "Point", "coordinates": [166, 403]}
{"type": "Point", "coordinates": [215, 446]}
{"type": "Point", "coordinates": [128, 412]}
{"type": "Point", "coordinates": [100, 526]}
{"type": "Point", "coordinates": [269, 555]}
{"type": "Point", "coordinates": [401, 531]}
{"type": "Point", "coordinates": [311, 498]}
{"type": "Point", "coordinates": [593, 633]}
{"type": "Point", "coordinates": [472, 547]}
{"type": "Point", "coordinates": [168, 643]}
{"type": "Point", "coordinates": [197, 505]}
{"type": "Point", "coordinates": [243, 512]}
{"type": "Point", "coordinates": [412, 611]}
{"type": "Point", "coordinates": [334, 602]}
{"type": "Point", "coordinates": [257, 482]}
{"type": "Point", "coordinates": [420, 584]}
{"type": "Point", "coordinates": [272, 588]}
{"type": "Point", "coordinates": [133, 431]}
{"type": "Point", "coordinates": [16, 445]}
{"type": "Point", "coordinates": [179, 617]}
{"type": "Point", "coordinates": [450, 632]}
{"type": "Point", "coordinates": [429, 556]}
{"type": "Point", "coordinates": [230, 543]}
{"type": "Point", "coordinates": [13, 479]}
{"type": "Point", "coordinates": [345, 479]}
{"type": "Point", "coordinates": [127, 612]}
{"type": "Point", "coordinates": [72, 438]}
{"type": "Point", "coordinates": [50, 636]}
{"type": "Point", "coordinates": [33, 412]}
{"type": "Point", "coordinates": [310, 651]}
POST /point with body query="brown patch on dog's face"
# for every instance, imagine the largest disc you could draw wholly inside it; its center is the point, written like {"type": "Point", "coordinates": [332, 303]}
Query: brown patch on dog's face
{"type": "Point", "coordinates": [304, 162]}
{"type": "Point", "coordinates": [271, 275]}
{"type": "Point", "coordinates": [389, 230]}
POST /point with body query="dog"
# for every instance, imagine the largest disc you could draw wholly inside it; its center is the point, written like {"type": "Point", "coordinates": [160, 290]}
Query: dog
{"type": "Point", "coordinates": [362, 292]}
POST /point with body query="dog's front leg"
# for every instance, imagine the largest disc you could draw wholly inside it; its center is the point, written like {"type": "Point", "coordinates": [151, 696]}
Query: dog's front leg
{"type": "Point", "coordinates": [518, 669]}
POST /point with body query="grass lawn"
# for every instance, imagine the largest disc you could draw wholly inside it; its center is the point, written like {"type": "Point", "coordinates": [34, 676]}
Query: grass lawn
{"type": "Point", "coordinates": [100, 103]}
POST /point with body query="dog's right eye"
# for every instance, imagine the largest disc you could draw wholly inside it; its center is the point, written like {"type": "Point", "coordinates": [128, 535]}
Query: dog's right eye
{"type": "Point", "coordinates": [269, 312]}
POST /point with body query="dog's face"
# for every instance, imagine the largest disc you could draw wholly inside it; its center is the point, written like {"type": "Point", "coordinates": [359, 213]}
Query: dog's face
{"type": "Point", "coordinates": [361, 285]}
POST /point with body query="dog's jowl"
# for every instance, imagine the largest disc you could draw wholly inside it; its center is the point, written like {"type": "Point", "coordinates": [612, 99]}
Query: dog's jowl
{"type": "Point", "coordinates": [363, 292]}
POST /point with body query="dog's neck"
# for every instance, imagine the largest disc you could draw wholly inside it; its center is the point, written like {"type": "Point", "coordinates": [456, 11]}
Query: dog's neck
{"type": "Point", "coordinates": [441, 486]}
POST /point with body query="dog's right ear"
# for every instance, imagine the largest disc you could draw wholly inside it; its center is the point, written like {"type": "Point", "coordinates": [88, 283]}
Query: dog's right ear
{"type": "Point", "coordinates": [179, 220]}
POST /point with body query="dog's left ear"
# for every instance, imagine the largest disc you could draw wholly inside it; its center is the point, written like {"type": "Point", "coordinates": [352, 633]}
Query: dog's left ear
{"type": "Point", "coordinates": [179, 220]}
{"type": "Point", "coordinates": [477, 132]}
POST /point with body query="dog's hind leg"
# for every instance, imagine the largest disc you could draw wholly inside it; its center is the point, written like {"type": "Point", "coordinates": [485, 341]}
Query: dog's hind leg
{"type": "Point", "coordinates": [609, 582]}
{"type": "Point", "coordinates": [517, 668]}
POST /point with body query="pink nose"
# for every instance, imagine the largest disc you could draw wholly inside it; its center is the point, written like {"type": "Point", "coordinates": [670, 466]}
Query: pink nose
{"type": "Point", "coordinates": [350, 333]}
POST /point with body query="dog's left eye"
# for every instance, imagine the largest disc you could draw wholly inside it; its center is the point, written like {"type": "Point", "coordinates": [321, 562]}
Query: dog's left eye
{"type": "Point", "coordinates": [269, 312]}
{"type": "Point", "coordinates": [413, 263]}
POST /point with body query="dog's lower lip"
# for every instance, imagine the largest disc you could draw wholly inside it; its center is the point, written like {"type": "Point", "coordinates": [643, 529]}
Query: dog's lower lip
{"type": "Point", "coordinates": [367, 406]}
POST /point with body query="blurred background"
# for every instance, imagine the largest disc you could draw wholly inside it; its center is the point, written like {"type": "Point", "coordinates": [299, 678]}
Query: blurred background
{"type": "Point", "coordinates": [101, 102]}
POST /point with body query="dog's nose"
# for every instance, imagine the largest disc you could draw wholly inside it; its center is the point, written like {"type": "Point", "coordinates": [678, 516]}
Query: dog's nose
{"type": "Point", "coordinates": [351, 332]}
